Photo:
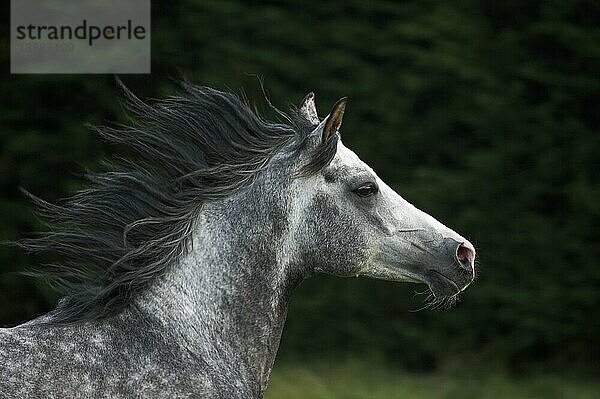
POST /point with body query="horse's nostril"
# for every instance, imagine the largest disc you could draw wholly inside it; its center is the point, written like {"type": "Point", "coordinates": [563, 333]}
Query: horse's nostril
{"type": "Point", "coordinates": [465, 253]}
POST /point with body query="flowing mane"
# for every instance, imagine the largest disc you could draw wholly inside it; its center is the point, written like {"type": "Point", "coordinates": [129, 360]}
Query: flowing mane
{"type": "Point", "coordinates": [133, 221]}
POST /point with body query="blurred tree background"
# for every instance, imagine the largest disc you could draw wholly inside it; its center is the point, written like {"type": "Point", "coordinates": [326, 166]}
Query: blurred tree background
{"type": "Point", "coordinates": [485, 114]}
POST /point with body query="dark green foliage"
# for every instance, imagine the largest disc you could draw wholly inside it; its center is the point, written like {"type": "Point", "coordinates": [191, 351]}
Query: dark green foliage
{"type": "Point", "coordinates": [484, 114]}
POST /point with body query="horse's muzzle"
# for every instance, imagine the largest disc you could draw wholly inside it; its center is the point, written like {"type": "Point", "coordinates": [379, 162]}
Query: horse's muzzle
{"type": "Point", "coordinates": [454, 269]}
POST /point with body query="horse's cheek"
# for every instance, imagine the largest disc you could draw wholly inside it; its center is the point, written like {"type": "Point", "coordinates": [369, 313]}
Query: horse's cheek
{"type": "Point", "coordinates": [334, 242]}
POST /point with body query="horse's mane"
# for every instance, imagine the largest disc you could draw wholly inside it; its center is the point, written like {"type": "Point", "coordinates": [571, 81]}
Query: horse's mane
{"type": "Point", "coordinates": [131, 223]}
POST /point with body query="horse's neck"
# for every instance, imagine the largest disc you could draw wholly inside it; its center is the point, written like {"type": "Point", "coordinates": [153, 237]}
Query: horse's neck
{"type": "Point", "coordinates": [226, 301]}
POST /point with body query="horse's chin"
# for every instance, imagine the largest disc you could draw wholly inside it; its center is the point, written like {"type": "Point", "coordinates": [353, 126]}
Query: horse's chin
{"type": "Point", "coordinates": [440, 285]}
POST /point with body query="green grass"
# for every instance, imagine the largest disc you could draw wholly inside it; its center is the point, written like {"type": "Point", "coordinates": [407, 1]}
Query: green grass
{"type": "Point", "coordinates": [352, 380]}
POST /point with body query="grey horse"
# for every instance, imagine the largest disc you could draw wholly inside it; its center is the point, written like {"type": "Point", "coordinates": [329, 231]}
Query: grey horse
{"type": "Point", "coordinates": [178, 262]}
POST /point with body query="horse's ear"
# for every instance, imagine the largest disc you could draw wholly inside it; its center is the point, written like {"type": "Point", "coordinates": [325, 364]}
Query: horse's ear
{"type": "Point", "coordinates": [308, 109]}
{"type": "Point", "coordinates": [334, 119]}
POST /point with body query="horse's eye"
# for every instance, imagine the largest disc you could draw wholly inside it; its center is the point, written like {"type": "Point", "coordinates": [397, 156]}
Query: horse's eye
{"type": "Point", "coordinates": [367, 190]}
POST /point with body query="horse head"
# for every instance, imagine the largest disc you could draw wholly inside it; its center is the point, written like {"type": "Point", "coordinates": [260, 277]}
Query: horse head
{"type": "Point", "coordinates": [352, 223]}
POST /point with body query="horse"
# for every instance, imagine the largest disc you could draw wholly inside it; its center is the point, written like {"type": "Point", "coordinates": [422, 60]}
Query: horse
{"type": "Point", "coordinates": [176, 264]}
